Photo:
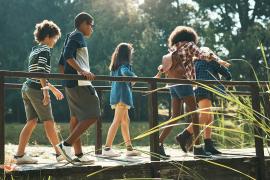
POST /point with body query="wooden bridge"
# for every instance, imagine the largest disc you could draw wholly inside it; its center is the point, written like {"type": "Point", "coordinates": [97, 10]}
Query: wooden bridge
{"type": "Point", "coordinates": [251, 162]}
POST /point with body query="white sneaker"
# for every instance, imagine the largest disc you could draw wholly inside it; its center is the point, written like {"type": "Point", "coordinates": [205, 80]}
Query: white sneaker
{"type": "Point", "coordinates": [110, 153]}
{"type": "Point", "coordinates": [65, 151]}
{"type": "Point", "coordinates": [133, 153]}
{"type": "Point", "coordinates": [60, 158]}
{"type": "Point", "coordinates": [25, 160]}
{"type": "Point", "coordinates": [84, 160]}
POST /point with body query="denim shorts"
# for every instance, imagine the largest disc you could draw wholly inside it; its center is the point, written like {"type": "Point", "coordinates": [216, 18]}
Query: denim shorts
{"type": "Point", "coordinates": [181, 91]}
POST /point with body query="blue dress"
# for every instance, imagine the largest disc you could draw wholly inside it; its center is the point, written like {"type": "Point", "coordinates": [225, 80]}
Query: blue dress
{"type": "Point", "coordinates": [122, 91]}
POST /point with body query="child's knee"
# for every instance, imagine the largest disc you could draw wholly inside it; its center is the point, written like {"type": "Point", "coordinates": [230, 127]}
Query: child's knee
{"type": "Point", "coordinates": [48, 123]}
{"type": "Point", "coordinates": [32, 123]}
{"type": "Point", "coordinates": [206, 117]}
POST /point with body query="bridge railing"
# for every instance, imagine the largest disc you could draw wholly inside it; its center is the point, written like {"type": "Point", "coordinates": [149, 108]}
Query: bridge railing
{"type": "Point", "coordinates": [253, 89]}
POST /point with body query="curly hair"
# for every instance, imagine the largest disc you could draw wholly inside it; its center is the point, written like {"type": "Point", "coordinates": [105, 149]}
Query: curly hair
{"type": "Point", "coordinates": [44, 29]}
{"type": "Point", "coordinates": [121, 55]}
{"type": "Point", "coordinates": [182, 33]}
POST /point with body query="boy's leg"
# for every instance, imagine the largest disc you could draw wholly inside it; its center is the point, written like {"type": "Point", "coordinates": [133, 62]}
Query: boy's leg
{"type": "Point", "coordinates": [51, 133]}
{"type": "Point", "coordinates": [177, 111]}
{"type": "Point", "coordinates": [206, 118]}
{"type": "Point", "coordinates": [77, 145]}
{"type": "Point", "coordinates": [194, 127]}
{"type": "Point", "coordinates": [118, 115]}
{"type": "Point", "coordinates": [80, 128]}
{"type": "Point", "coordinates": [25, 136]}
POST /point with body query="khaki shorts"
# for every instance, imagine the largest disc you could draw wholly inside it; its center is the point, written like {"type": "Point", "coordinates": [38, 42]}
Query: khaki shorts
{"type": "Point", "coordinates": [83, 102]}
{"type": "Point", "coordinates": [34, 108]}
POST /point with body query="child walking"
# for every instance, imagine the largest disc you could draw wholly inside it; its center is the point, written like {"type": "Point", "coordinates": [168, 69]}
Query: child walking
{"type": "Point", "coordinates": [121, 99]}
{"type": "Point", "coordinates": [208, 71]}
{"type": "Point", "coordinates": [183, 44]}
{"type": "Point", "coordinates": [35, 92]}
{"type": "Point", "coordinates": [82, 97]}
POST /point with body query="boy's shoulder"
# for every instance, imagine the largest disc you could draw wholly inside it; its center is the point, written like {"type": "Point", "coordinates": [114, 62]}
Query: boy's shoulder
{"type": "Point", "coordinates": [40, 49]}
{"type": "Point", "coordinates": [76, 36]}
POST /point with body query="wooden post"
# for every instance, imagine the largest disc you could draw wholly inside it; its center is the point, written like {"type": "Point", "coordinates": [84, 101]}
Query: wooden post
{"type": "Point", "coordinates": [260, 171]}
{"type": "Point", "coordinates": [2, 120]}
{"type": "Point", "coordinates": [153, 121]}
{"type": "Point", "coordinates": [266, 107]}
{"type": "Point", "coordinates": [170, 107]}
{"type": "Point", "coordinates": [98, 145]}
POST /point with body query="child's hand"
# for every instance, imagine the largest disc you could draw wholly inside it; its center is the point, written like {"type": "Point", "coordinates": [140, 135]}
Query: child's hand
{"type": "Point", "coordinates": [89, 76]}
{"type": "Point", "coordinates": [46, 97]}
{"type": "Point", "coordinates": [158, 75]}
{"type": "Point", "coordinates": [58, 95]}
{"type": "Point", "coordinates": [224, 63]}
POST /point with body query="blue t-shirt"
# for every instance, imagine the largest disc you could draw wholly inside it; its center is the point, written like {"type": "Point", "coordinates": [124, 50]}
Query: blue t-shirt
{"type": "Point", "coordinates": [75, 47]}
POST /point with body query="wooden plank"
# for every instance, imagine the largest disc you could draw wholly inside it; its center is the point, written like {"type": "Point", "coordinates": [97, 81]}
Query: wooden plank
{"type": "Point", "coordinates": [2, 120]}
{"type": "Point", "coordinates": [153, 121]}
{"type": "Point", "coordinates": [260, 171]}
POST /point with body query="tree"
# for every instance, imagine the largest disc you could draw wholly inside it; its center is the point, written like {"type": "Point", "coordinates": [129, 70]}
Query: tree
{"type": "Point", "coordinates": [239, 26]}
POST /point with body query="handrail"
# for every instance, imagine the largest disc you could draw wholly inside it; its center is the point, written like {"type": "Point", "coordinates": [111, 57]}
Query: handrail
{"type": "Point", "coordinates": [134, 89]}
{"type": "Point", "coordinates": [21, 74]}
{"type": "Point", "coordinates": [253, 90]}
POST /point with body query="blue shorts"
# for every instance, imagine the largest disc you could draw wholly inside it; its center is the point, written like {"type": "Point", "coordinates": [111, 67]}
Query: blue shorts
{"type": "Point", "coordinates": [181, 91]}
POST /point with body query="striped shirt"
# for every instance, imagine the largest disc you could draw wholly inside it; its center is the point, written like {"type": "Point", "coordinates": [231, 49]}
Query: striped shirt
{"type": "Point", "coordinates": [39, 61]}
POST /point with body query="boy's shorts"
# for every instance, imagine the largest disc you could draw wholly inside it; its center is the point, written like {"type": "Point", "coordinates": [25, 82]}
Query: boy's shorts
{"type": "Point", "coordinates": [120, 105]}
{"type": "Point", "coordinates": [83, 102]}
{"type": "Point", "coordinates": [33, 104]}
{"type": "Point", "coordinates": [181, 91]}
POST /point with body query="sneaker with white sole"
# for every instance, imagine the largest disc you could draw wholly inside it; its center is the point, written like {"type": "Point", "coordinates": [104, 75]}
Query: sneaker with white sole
{"type": "Point", "coordinates": [110, 153]}
{"type": "Point", "coordinates": [60, 158]}
{"type": "Point", "coordinates": [65, 151]}
{"type": "Point", "coordinates": [25, 159]}
{"type": "Point", "coordinates": [133, 153]}
{"type": "Point", "coordinates": [83, 160]}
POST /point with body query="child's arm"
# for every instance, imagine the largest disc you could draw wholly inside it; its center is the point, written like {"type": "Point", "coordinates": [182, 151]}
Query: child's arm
{"type": "Point", "coordinates": [72, 62]}
{"type": "Point", "coordinates": [223, 71]}
{"type": "Point", "coordinates": [208, 56]}
{"type": "Point", "coordinates": [46, 86]}
{"type": "Point", "coordinates": [46, 96]}
{"type": "Point", "coordinates": [58, 95]}
{"type": "Point", "coordinates": [72, 45]}
{"type": "Point", "coordinates": [125, 71]}
{"type": "Point", "coordinates": [61, 64]}
{"type": "Point", "coordinates": [61, 68]}
{"type": "Point", "coordinates": [160, 71]}
{"type": "Point", "coordinates": [43, 58]}
{"type": "Point", "coordinates": [158, 75]}
{"type": "Point", "coordinates": [165, 66]}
